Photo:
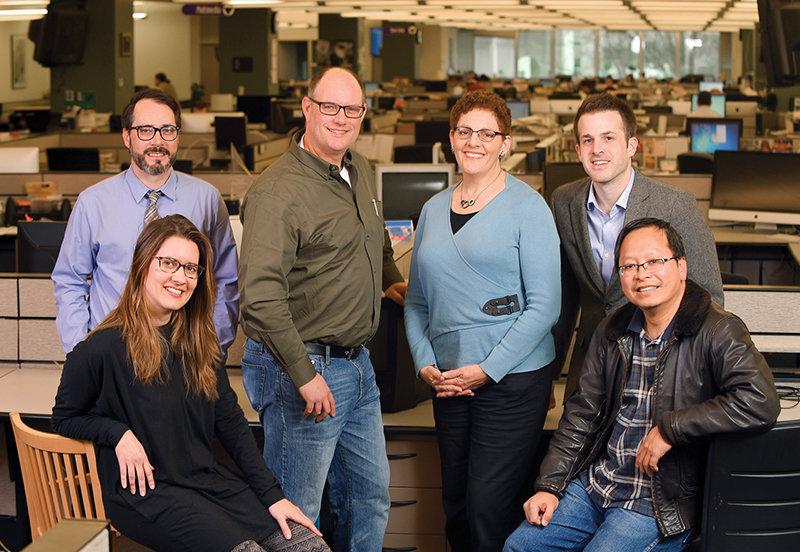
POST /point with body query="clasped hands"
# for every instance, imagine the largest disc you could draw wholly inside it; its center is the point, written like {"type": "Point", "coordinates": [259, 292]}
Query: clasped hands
{"type": "Point", "coordinates": [461, 382]}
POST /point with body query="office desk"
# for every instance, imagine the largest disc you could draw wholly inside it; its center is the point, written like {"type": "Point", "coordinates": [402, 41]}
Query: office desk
{"type": "Point", "coordinates": [766, 259]}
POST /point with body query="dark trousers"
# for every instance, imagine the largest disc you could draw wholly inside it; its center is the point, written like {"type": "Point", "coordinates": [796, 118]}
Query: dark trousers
{"type": "Point", "coordinates": [487, 445]}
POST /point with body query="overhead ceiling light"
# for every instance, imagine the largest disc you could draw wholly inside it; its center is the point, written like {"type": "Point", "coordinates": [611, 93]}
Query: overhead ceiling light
{"type": "Point", "coordinates": [31, 12]}
{"type": "Point", "coordinates": [139, 15]}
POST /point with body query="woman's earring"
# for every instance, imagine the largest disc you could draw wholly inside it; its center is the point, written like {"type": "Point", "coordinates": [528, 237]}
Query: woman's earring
{"type": "Point", "coordinates": [452, 149]}
{"type": "Point", "coordinates": [502, 154]}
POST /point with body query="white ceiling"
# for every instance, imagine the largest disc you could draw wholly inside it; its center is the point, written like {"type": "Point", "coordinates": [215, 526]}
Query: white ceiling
{"type": "Point", "coordinates": [493, 15]}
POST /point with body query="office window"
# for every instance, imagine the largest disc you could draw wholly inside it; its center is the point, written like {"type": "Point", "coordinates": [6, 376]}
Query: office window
{"type": "Point", "coordinates": [658, 58]}
{"type": "Point", "coordinates": [619, 54]}
{"type": "Point", "coordinates": [534, 61]}
{"type": "Point", "coordinates": [699, 53]}
{"type": "Point", "coordinates": [574, 52]}
{"type": "Point", "coordinates": [494, 56]}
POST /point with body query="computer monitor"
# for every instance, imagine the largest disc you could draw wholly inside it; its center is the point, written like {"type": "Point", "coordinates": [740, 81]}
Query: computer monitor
{"type": "Point", "coordinates": [519, 109]}
{"type": "Point", "coordinates": [558, 174]}
{"type": "Point", "coordinates": [255, 107]}
{"type": "Point", "coordinates": [680, 107]}
{"type": "Point", "coordinates": [436, 86]}
{"type": "Point", "coordinates": [286, 115]}
{"type": "Point", "coordinates": [710, 135]}
{"type": "Point", "coordinates": [230, 131]}
{"type": "Point", "coordinates": [757, 187]}
{"type": "Point", "coordinates": [203, 123]}
{"type": "Point", "coordinates": [739, 108]}
{"type": "Point", "coordinates": [38, 244]}
{"type": "Point", "coordinates": [710, 86]}
{"type": "Point", "coordinates": [73, 159]}
{"type": "Point", "coordinates": [564, 106]}
{"type": "Point", "coordinates": [404, 189]}
{"type": "Point", "coordinates": [371, 87]}
{"type": "Point", "coordinates": [222, 102]}
{"type": "Point", "coordinates": [717, 103]}
{"type": "Point", "coordinates": [430, 132]}
{"type": "Point", "coordinates": [19, 160]}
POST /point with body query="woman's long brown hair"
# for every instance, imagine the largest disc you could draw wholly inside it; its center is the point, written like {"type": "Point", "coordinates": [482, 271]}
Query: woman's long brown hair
{"type": "Point", "coordinates": [192, 337]}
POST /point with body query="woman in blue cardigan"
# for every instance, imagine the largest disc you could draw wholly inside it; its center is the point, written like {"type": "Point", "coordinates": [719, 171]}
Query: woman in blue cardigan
{"type": "Point", "coordinates": [483, 293]}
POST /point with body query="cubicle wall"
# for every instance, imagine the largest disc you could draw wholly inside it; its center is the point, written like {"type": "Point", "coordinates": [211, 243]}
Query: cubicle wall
{"type": "Point", "coordinates": [27, 320]}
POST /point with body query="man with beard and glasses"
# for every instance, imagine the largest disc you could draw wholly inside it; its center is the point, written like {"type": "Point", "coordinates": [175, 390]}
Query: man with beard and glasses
{"type": "Point", "coordinates": [96, 253]}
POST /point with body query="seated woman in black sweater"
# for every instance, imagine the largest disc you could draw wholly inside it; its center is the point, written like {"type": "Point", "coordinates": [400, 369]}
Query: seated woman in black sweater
{"type": "Point", "coordinates": [148, 387]}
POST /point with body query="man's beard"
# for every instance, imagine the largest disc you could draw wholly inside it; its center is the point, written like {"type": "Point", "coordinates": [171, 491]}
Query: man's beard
{"type": "Point", "coordinates": [140, 159]}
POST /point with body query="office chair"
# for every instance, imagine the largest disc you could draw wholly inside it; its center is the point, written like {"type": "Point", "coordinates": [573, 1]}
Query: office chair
{"type": "Point", "coordinates": [695, 163]}
{"type": "Point", "coordinates": [752, 491]}
{"type": "Point", "coordinates": [59, 475]}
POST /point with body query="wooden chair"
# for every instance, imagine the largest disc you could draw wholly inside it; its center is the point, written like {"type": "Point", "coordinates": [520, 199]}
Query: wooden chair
{"type": "Point", "coordinates": [60, 477]}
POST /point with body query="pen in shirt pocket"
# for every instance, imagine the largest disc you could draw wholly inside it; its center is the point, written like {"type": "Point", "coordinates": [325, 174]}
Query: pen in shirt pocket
{"type": "Point", "coordinates": [375, 204]}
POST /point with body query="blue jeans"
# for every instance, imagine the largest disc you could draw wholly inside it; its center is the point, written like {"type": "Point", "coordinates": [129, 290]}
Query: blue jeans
{"type": "Point", "coordinates": [348, 450]}
{"type": "Point", "coordinates": [579, 524]}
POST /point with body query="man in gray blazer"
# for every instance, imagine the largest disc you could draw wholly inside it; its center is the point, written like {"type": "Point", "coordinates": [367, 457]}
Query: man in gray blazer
{"type": "Point", "coordinates": [590, 214]}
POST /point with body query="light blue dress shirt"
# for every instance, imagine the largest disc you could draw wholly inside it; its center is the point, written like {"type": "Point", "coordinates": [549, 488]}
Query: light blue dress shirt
{"type": "Point", "coordinates": [99, 241]}
{"type": "Point", "coordinates": [604, 229]}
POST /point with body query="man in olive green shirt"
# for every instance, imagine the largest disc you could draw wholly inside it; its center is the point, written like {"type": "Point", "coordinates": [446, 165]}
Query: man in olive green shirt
{"type": "Point", "coordinates": [315, 255]}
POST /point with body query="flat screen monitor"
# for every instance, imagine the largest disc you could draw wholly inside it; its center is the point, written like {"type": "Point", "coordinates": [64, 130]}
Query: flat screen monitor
{"type": "Point", "coordinates": [757, 187]}
{"type": "Point", "coordinates": [19, 160]}
{"type": "Point", "coordinates": [404, 189]}
{"type": "Point", "coordinates": [430, 132]}
{"type": "Point", "coordinates": [519, 109]}
{"type": "Point", "coordinates": [73, 159]}
{"type": "Point", "coordinates": [222, 102]}
{"type": "Point", "coordinates": [286, 115]}
{"type": "Point", "coordinates": [199, 123]}
{"type": "Point", "coordinates": [38, 244]}
{"type": "Point", "coordinates": [371, 87]}
{"type": "Point", "coordinates": [230, 131]}
{"type": "Point", "coordinates": [436, 86]}
{"type": "Point", "coordinates": [740, 108]}
{"type": "Point", "coordinates": [680, 107]}
{"type": "Point", "coordinates": [255, 107]}
{"type": "Point", "coordinates": [710, 135]}
{"type": "Point", "coordinates": [710, 86]}
{"type": "Point", "coordinates": [717, 103]}
{"type": "Point", "coordinates": [558, 174]}
{"type": "Point", "coordinates": [564, 107]}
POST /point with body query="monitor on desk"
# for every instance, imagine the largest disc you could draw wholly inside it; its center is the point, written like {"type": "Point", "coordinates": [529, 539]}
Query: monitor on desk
{"type": "Point", "coordinates": [710, 86]}
{"type": "Point", "coordinates": [717, 103]}
{"type": "Point", "coordinates": [73, 159]}
{"type": "Point", "coordinates": [404, 189]}
{"type": "Point", "coordinates": [255, 107]}
{"type": "Point", "coordinates": [519, 109]}
{"type": "Point", "coordinates": [710, 135]}
{"type": "Point", "coordinates": [230, 131]}
{"type": "Point", "coordinates": [286, 115]}
{"type": "Point", "coordinates": [38, 244]}
{"type": "Point", "coordinates": [564, 106]}
{"type": "Point", "coordinates": [19, 160]}
{"type": "Point", "coordinates": [756, 187]}
{"type": "Point", "coordinates": [738, 108]}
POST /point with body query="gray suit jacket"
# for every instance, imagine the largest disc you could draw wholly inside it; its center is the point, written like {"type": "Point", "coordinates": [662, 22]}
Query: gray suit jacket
{"type": "Point", "coordinates": [582, 283]}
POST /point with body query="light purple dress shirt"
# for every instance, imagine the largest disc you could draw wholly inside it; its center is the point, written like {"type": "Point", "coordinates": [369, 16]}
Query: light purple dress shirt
{"type": "Point", "coordinates": [102, 232]}
{"type": "Point", "coordinates": [604, 228]}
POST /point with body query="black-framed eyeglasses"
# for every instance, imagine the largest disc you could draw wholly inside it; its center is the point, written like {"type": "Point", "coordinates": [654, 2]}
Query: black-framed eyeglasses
{"type": "Point", "coordinates": [485, 134]}
{"type": "Point", "coordinates": [171, 266]}
{"type": "Point", "coordinates": [148, 132]}
{"type": "Point", "coordinates": [652, 266]}
{"type": "Point", "coordinates": [331, 109]}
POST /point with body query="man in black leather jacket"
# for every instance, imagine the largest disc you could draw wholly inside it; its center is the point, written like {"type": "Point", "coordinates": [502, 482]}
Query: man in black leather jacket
{"type": "Point", "coordinates": [624, 471]}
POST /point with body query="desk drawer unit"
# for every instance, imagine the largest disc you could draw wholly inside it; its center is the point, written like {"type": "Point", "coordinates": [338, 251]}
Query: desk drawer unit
{"type": "Point", "coordinates": [416, 519]}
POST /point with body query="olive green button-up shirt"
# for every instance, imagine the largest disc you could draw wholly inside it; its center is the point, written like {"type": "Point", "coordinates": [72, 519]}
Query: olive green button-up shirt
{"type": "Point", "coordinates": [315, 256]}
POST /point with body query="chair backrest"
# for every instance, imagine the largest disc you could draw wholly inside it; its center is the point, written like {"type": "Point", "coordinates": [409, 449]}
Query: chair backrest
{"type": "Point", "coordinates": [59, 475]}
{"type": "Point", "coordinates": [752, 491]}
